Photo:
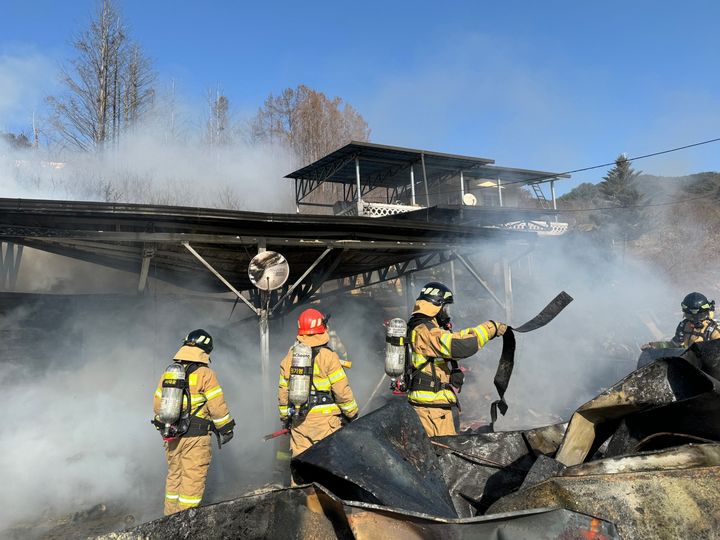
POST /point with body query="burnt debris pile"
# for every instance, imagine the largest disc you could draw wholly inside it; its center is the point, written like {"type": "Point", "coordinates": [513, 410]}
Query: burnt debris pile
{"type": "Point", "coordinates": [640, 460]}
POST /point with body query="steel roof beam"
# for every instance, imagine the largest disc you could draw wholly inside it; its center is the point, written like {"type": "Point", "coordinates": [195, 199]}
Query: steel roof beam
{"type": "Point", "coordinates": [180, 238]}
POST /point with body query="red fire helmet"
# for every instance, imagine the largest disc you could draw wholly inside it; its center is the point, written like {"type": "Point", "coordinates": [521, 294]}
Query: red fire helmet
{"type": "Point", "coordinates": [311, 321]}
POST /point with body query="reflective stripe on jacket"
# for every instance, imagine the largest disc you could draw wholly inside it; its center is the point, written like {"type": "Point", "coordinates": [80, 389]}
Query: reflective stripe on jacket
{"type": "Point", "coordinates": [429, 341]}
{"type": "Point", "coordinates": [205, 390]}
{"type": "Point", "coordinates": [328, 376]}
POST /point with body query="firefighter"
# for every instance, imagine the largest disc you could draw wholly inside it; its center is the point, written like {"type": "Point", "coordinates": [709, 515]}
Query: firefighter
{"type": "Point", "coordinates": [698, 324]}
{"type": "Point", "coordinates": [435, 348]}
{"type": "Point", "coordinates": [187, 449]}
{"type": "Point", "coordinates": [330, 396]}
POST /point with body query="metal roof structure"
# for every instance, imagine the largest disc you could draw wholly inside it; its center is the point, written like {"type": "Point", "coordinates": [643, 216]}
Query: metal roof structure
{"type": "Point", "coordinates": [177, 241]}
{"type": "Point", "coordinates": [363, 166]}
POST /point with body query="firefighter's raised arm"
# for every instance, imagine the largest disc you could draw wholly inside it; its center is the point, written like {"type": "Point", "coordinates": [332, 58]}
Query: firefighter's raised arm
{"type": "Point", "coordinates": [462, 344]}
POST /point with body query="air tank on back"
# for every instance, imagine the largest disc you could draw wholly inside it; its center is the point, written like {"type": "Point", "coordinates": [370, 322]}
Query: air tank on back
{"type": "Point", "coordinates": [395, 335]}
{"type": "Point", "coordinates": [300, 375]}
{"type": "Point", "coordinates": [173, 389]}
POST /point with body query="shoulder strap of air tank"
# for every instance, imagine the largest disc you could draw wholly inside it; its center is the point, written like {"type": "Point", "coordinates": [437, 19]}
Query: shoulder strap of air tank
{"type": "Point", "coordinates": [191, 367]}
{"type": "Point", "coordinates": [711, 327]}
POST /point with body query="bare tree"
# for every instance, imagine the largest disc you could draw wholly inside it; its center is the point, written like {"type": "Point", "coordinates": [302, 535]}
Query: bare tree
{"type": "Point", "coordinates": [218, 124]}
{"type": "Point", "coordinates": [108, 85]}
{"type": "Point", "coordinates": [308, 122]}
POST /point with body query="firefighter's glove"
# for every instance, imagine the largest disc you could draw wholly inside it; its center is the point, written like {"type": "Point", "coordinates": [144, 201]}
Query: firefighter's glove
{"type": "Point", "coordinates": [500, 328]}
{"type": "Point", "coordinates": [352, 418]}
{"type": "Point", "coordinates": [226, 437]}
{"type": "Point", "coordinates": [226, 433]}
{"type": "Point", "coordinates": [457, 378]}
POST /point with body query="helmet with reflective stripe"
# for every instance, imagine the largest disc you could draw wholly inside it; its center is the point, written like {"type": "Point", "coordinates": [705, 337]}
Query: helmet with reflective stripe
{"type": "Point", "coordinates": [696, 307]}
{"type": "Point", "coordinates": [436, 293]}
{"type": "Point", "coordinates": [311, 321]}
{"type": "Point", "coordinates": [199, 338]}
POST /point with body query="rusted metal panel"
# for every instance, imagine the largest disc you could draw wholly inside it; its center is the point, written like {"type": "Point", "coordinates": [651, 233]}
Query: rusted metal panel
{"type": "Point", "coordinates": [665, 382]}
{"type": "Point", "coordinates": [654, 503]}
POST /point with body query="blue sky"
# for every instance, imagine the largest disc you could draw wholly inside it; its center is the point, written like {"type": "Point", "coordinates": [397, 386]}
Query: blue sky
{"type": "Point", "coordinates": [551, 85]}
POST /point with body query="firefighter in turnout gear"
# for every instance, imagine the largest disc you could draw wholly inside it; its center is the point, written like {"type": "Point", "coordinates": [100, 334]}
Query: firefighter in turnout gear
{"type": "Point", "coordinates": [434, 374]}
{"type": "Point", "coordinates": [698, 324]}
{"type": "Point", "coordinates": [328, 393]}
{"type": "Point", "coordinates": [187, 443]}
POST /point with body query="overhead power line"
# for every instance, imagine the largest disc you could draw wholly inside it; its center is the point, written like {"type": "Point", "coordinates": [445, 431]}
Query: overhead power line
{"type": "Point", "coordinates": [545, 178]}
{"type": "Point", "coordinates": [603, 165]}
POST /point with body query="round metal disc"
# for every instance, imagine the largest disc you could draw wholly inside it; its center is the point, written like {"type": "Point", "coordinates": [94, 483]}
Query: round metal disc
{"type": "Point", "coordinates": [469, 199]}
{"type": "Point", "coordinates": [268, 270]}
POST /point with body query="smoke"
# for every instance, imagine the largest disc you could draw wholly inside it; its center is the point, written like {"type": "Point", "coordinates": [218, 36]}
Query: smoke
{"type": "Point", "coordinates": [593, 343]}
{"type": "Point", "coordinates": [81, 371]}
{"type": "Point", "coordinates": [162, 159]}
{"type": "Point", "coordinates": [144, 168]}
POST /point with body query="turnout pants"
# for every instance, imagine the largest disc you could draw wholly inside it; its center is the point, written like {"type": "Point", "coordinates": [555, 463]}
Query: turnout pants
{"type": "Point", "coordinates": [436, 420]}
{"type": "Point", "coordinates": [188, 459]}
{"type": "Point", "coordinates": [313, 428]}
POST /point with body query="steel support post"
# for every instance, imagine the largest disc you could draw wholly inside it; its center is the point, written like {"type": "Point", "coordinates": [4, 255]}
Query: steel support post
{"type": "Point", "coordinates": [148, 254]}
{"type": "Point", "coordinates": [10, 265]}
{"type": "Point", "coordinates": [264, 346]}
{"type": "Point", "coordinates": [359, 189]}
{"type": "Point", "coordinates": [507, 278]}
{"type": "Point", "coordinates": [412, 185]}
{"type": "Point", "coordinates": [427, 193]}
{"type": "Point", "coordinates": [452, 277]}
{"type": "Point", "coordinates": [409, 297]}
{"type": "Point", "coordinates": [499, 192]}
{"type": "Point", "coordinates": [462, 188]}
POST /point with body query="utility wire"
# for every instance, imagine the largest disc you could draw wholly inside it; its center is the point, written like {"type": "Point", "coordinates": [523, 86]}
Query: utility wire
{"type": "Point", "coordinates": [583, 169]}
{"type": "Point", "coordinates": [548, 177]}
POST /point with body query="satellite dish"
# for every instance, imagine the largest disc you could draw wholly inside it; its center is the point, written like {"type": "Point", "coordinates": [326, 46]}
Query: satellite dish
{"type": "Point", "coordinates": [469, 199]}
{"type": "Point", "coordinates": [268, 270]}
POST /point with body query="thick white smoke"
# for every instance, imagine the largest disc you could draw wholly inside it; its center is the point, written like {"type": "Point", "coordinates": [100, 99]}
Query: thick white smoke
{"type": "Point", "coordinates": [592, 344]}
{"type": "Point", "coordinates": [81, 371]}
{"type": "Point", "coordinates": [146, 169]}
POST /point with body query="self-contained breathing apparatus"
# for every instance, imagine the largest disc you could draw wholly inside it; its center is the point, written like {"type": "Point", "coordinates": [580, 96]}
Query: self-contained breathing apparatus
{"type": "Point", "coordinates": [175, 416]}
{"type": "Point", "coordinates": [302, 393]}
{"type": "Point", "coordinates": [399, 367]}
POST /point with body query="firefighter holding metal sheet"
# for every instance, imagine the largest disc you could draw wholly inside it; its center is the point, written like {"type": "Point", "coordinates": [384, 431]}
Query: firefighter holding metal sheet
{"type": "Point", "coordinates": [189, 405]}
{"type": "Point", "coordinates": [314, 392]}
{"type": "Point", "coordinates": [434, 376]}
{"type": "Point", "coordinates": [698, 324]}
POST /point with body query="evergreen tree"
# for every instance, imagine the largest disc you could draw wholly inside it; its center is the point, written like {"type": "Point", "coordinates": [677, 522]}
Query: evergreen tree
{"type": "Point", "coordinates": [623, 219]}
